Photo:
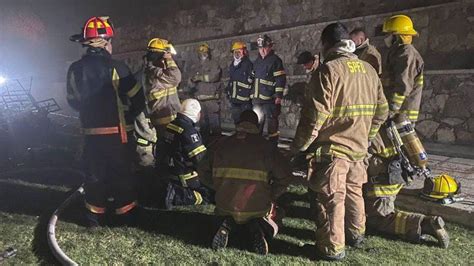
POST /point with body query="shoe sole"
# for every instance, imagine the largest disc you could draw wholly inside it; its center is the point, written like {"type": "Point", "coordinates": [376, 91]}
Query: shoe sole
{"type": "Point", "coordinates": [221, 238]}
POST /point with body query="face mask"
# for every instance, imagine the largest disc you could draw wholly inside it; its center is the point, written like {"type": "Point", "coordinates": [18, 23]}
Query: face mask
{"type": "Point", "coordinates": [388, 40]}
{"type": "Point", "coordinates": [237, 57]}
{"type": "Point", "coordinates": [203, 56]}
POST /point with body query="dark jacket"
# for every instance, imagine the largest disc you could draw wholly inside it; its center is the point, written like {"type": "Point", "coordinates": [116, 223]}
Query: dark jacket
{"type": "Point", "coordinates": [182, 149]}
{"type": "Point", "coordinates": [270, 79]}
{"type": "Point", "coordinates": [240, 83]}
{"type": "Point", "coordinates": [105, 93]}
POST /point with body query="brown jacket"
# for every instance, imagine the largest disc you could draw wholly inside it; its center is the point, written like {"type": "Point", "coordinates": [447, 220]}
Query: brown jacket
{"type": "Point", "coordinates": [368, 53]}
{"type": "Point", "coordinates": [403, 80]}
{"type": "Point", "coordinates": [348, 108]}
{"type": "Point", "coordinates": [207, 84]}
{"type": "Point", "coordinates": [249, 173]}
{"type": "Point", "coordinates": [160, 86]}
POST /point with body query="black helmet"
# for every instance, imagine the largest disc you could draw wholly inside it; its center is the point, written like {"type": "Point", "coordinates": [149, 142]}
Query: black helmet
{"type": "Point", "coordinates": [304, 58]}
{"type": "Point", "coordinates": [264, 41]}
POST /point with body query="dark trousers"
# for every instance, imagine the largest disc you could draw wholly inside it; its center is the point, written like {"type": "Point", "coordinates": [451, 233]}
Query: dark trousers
{"type": "Point", "coordinates": [108, 165]}
{"type": "Point", "coordinates": [210, 123]}
{"type": "Point", "coordinates": [237, 108]}
{"type": "Point", "coordinates": [268, 114]}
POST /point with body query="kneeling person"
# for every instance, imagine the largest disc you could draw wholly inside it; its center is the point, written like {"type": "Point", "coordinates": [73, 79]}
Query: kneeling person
{"type": "Point", "coordinates": [179, 151]}
{"type": "Point", "coordinates": [249, 173]}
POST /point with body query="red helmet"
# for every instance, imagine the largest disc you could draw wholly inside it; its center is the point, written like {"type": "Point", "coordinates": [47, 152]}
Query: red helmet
{"type": "Point", "coordinates": [98, 27]}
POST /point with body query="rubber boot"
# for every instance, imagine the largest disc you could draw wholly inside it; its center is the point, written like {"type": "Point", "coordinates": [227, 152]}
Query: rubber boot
{"type": "Point", "coordinates": [356, 241]}
{"type": "Point", "coordinates": [259, 244]}
{"type": "Point", "coordinates": [434, 226]}
{"type": "Point", "coordinates": [221, 238]}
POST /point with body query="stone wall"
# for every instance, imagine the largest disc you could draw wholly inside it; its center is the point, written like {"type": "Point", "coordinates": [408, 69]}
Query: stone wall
{"type": "Point", "coordinates": [438, 52]}
{"type": "Point", "coordinates": [448, 103]}
{"type": "Point", "coordinates": [447, 112]}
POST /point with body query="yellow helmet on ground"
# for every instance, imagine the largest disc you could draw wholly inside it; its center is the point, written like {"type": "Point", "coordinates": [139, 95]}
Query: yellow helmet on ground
{"type": "Point", "coordinates": [441, 187]}
{"type": "Point", "coordinates": [203, 48]}
{"type": "Point", "coordinates": [399, 25]}
{"type": "Point", "coordinates": [160, 45]}
{"type": "Point", "coordinates": [238, 45]}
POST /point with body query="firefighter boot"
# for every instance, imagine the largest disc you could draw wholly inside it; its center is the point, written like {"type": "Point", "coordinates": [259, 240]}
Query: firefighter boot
{"type": "Point", "coordinates": [91, 219]}
{"type": "Point", "coordinates": [177, 195]}
{"type": "Point", "coordinates": [257, 236]}
{"type": "Point", "coordinates": [221, 238]}
{"type": "Point", "coordinates": [434, 226]}
{"type": "Point", "coordinates": [356, 241]}
{"type": "Point", "coordinates": [338, 257]}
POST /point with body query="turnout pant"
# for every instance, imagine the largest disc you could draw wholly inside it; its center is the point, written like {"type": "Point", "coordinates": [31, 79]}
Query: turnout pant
{"type": "Point", "coordinates": [337, 202]}
{"type": "Point", "coordinates": [380, 206]}
{"type": "Point", "coordinates": [237, 108]}
{"type": "Point", "coordinates": [268, 113]}
{"type": "Point", "coordinates": [210, 123]}
{"type": "Point", "coordinates": [108, 165]}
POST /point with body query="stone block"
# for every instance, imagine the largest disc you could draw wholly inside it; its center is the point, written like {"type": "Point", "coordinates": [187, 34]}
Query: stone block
{"type": "Point", "coordinates": [457, 107]}
{"type": "Point", "coordinates": [452, 122]}
{"type": "Point", "coordinates": [445, 135]}
{"type": "Point", "coordinates": [427, 128]}
{"type": "Point", "coordinates": [464, 137]}
{"type": "Point", "coordinates": [470, 124]}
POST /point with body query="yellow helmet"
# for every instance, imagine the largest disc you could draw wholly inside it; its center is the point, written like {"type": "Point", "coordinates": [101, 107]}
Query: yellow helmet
{"type": "Point", "coordinates": [399, 25]}
{"type": "Point", "coordinates": [160, 45]}
{"type": "Point", "coordinates": [440, 187]}
{"type": "Point", "coordinates": [238, 45]}
{"type": "Point", "coordinates": [203, 48]}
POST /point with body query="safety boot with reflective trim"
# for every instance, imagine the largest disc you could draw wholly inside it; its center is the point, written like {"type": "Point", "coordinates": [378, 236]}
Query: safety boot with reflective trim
{"type": "Point", "coordinates": [434, 226]}
{"type": "Point", "coordinates": [221, 238]}
{"type": "Point", "coordinates": [259, 243]}
{"type": "Point", "coordinates": [338, 257]}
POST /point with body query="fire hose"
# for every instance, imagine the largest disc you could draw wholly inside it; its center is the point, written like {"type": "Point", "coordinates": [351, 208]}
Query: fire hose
{"type": "Point", "coordinates": [51, 231]}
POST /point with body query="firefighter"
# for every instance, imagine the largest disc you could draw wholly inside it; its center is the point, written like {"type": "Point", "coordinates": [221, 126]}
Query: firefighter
{"type": "Point", "coordinates": [240, 81]}
{"type": "Point", "coordinates": [180, 149]}
{"type": "Point", "coordinates": [247, 186]}
{"type": "Point", "coordinates": [386, 179]}
{"type": "Point", "coordinates": [403, 70]}
{"type": "Point", "coordinates": [267, 90]}
{"type": "Point", "coordinates": [348, 108]}
{"type": "Point", "coordinates": [366, 51]}
{"type": "Point", "coordinates": [108, 98]}
{"type": "Point", "coordinates": [207, 84]}
{"type": "Point", "coordinates": [161, 78]}
{"type": "Point", "coordinates": [309, 61]}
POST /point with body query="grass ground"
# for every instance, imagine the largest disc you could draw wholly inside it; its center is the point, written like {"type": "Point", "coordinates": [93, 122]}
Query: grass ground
{"type": "Point", "coordinates": [183, 236]}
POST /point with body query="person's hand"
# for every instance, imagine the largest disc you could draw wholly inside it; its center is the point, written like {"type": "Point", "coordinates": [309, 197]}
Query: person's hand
{"type": "Point", "coordinates": [197, 78]}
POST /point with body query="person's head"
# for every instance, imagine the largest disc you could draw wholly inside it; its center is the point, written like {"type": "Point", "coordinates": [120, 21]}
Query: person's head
{"type": "Point", "coordinates": [265, 45]}
{"type": "Point", "coordinates": [192, 109]}
{"type": "Point", "coordinates": [307, 60]}
{"type": "Point", "coordinates": [239, 50]}
{"type": "Point", "coordinates": [332, 34]}
{"type": "Point", "coordinates": [398, 28]}
{"type": "Point", "coordinates": [97, 33]}
{"type": "Point", "coordinates": [203, 51]}
{"type": "Point", "coordinates": [358, 36]}
{"type": "Point", "coordinates": [157, 49]}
